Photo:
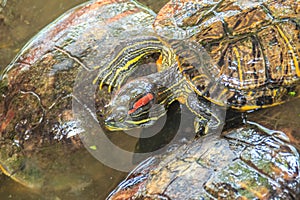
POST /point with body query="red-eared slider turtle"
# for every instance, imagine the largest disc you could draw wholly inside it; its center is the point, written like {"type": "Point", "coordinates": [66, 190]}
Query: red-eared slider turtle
{"type": "Point", "coordinates": [249, 59]}
{"type": "Point", "coordinates": [38, 144]}
{"type": "Point", "coordinates": [250, 162]}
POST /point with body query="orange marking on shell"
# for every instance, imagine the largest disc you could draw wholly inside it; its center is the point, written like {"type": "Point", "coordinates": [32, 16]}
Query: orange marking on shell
{"type": "Point", "coordinates": [72, 19]}
{"type": "Point", "coordinates": [128, 192]}
{"type": "Point", "coordinates": [141, 102]}
{"type": "Point", "coordinates": [122, 15]}
{"type": "Point", "coordinates": [159, 63]}
{"type": "Point", "coordinates": [9, 116]}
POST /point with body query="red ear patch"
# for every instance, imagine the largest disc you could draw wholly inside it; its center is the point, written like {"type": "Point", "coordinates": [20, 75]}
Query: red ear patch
{"type": "Point", "coordinates": [141, 102]}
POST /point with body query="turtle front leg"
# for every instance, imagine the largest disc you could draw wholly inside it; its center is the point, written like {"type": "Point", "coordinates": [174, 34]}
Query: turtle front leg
{"type": "Point", "coordinates": [205, 119]}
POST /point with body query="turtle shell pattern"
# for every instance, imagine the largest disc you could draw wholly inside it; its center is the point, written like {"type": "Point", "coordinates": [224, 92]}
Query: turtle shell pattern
{"type": "Point", "coordinates": [254, 47]}
{"type": "Point", "coordinates": [37, 88]}
{"type": "Point", "coordinates": [247, 163]}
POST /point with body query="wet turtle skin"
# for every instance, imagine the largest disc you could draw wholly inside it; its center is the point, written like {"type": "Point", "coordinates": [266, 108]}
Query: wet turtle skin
{"type": "Point", "coordinates": [37, 87]}
{"type": "Point", "coordinates": [249, 162]}
{"type": "Point", "coordinates": [241, 55]}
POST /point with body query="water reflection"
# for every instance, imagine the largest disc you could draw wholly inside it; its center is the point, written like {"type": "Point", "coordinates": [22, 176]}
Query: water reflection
{"type": "Point", "coordinates": [19, 21]}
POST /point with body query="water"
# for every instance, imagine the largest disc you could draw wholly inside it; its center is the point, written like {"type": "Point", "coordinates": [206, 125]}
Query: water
{"type": "Point", "coordinates": [19, 21]}
{"type": "Point", "coordinates": [22, 19]}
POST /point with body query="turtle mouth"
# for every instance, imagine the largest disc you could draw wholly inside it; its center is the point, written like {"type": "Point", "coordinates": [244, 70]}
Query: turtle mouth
{"type": "Point", "coordinates": [112, 125]}
{"type": "Point", "coordinates": [117, 125]}
{"type": "Point", "coordinates": [122, 122]}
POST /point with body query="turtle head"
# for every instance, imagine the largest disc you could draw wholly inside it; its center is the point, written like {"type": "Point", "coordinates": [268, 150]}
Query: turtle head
{"type": "Point", "coordinates": [135, 105]}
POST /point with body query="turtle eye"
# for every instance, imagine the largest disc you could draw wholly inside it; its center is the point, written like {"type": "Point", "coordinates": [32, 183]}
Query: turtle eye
{"type": "Point", "coordinates": [141, 102]}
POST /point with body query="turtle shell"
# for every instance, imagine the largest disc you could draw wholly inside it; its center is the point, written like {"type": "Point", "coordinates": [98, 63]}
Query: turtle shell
{"type": "Point", "coordinates": [37, 123]}
{"type": "Point", "coordinates": [252, 48]}
{"type": "Point", "coordinates": [247, 163]}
